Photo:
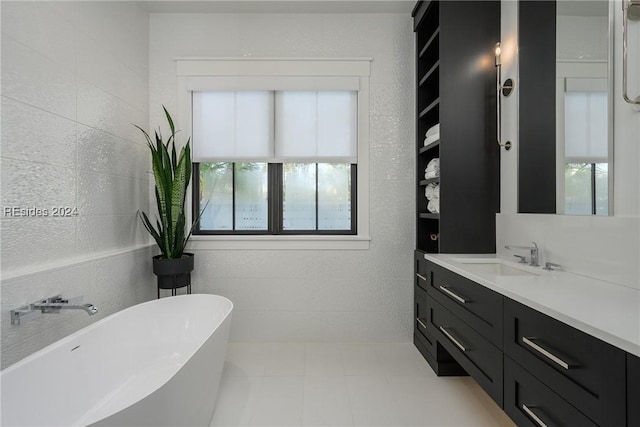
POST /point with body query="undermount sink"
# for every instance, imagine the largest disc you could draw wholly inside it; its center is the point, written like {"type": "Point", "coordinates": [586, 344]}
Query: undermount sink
{"type": "Point", "coordinates": [493, 266]}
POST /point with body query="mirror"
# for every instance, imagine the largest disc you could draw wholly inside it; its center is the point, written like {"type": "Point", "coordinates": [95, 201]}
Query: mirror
{"type": "Point", "coordinates": [565, 121]}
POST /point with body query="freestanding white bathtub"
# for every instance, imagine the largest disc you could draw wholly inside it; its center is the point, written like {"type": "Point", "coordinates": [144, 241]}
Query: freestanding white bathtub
{"type": "Point", "coordinates": [153, 364]}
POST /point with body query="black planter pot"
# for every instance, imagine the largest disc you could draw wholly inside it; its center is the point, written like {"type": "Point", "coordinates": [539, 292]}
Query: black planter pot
{"type": "Point", "coordinates": [173, 273]}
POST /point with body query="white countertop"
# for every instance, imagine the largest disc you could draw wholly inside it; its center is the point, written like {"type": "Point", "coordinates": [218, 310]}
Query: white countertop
{"type": "Point", "coordinates": [607, 311]}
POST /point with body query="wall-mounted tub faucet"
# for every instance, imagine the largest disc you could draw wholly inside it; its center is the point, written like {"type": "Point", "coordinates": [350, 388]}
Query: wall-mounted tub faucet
{"type": "Point", "coordinates": [534, 253]}
{"type": "Point", "coordinates": [50, 305]}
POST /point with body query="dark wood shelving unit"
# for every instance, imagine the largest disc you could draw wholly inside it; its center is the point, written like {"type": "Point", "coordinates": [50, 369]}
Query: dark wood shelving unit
{"type": "Point", "coordinates": [429, 215]}
{"type": "Point", "coordinates": [432, 70]}
{"type": "Point", "coordinates": [425, 182]}
{"type": "Point", "coordinates": [429, 42]}
{"type": "Point", "coordinates": [428, 147]}
{"type": "Point", "coordinates": [429, 107]}
{"type": "Point", "coordinates": [450, 37]}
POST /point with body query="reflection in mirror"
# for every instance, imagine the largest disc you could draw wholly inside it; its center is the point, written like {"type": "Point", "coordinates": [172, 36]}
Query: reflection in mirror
{"type": "Point", "coordinates": [565, 152]}
{"type": "Point", "coordinates": [583, 125]}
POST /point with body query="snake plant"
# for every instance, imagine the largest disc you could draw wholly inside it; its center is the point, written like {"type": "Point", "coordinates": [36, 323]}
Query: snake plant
{"type": "Point", "coordinates": [172, 173]}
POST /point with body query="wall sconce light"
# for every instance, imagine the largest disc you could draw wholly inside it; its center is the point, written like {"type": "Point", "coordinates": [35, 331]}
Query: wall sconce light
{"type": "Point", "coordinates": [505, 90]}
{"type": "Point", "coordinates": [630, 12]}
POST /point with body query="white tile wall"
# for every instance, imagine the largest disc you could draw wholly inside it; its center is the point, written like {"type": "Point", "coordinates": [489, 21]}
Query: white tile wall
{"type": "Point", "coordinates": [605, 247]}
{"type": "Point", "coordinates": [74, 79]}
{"type": "Point", "coordinates": [314, 295]}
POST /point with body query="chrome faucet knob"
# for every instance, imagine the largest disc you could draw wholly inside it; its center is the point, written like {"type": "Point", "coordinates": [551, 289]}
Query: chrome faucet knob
{"type": "Point", "coordinates": [523, 259]}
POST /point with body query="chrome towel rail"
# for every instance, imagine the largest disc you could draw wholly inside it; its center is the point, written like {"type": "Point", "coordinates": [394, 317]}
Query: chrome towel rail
{"type": "Point", "coordinates": [630, 12]}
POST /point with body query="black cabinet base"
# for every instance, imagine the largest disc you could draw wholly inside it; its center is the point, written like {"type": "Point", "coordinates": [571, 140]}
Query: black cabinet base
{"type": "Point", "coordinates": [443, 368]}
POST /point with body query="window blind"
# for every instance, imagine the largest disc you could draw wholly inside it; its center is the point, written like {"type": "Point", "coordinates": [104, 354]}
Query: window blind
{"type": "Point", "coordinates": [275, 126]}
{"type": "Point", "coordinates": [232, 126]}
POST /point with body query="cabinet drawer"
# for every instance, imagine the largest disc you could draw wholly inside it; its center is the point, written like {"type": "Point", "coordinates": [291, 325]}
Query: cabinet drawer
{"type": "Point", "coordinates": [422, 319]}
{"type": "Point", "coordinates": [633, 390]}
{"type": "Point", "coordinates": [530, 403]}
{"type": "Point", "coordinates": [421, 267]}
{"type": "Point", "coordinates": [478, 306]}
{"type": "Point", "coordinates": [586, 372]}
{"type": "Point", "coordinates": [479, 357]}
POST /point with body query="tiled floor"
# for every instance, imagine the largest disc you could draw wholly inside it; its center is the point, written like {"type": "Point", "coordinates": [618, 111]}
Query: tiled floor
{"type": "Point", "coordinates": [345, 385]}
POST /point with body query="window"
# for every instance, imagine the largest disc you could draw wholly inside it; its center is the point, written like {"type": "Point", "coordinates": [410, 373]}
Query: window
{"type": "Point", "coordinates": [586, 174]}
{"type": "Point", "coordinates": [258, 105]}
{"type": "Point", "coordinates": [275, 162]}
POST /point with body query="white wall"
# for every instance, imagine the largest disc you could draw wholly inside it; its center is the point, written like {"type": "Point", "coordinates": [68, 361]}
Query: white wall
{"type": "Point", "coordinates": [607, 248]}
{"type": "Point", "coordinates": [74, 78]}
{"type": "Point", "coordinates": [363, 295]}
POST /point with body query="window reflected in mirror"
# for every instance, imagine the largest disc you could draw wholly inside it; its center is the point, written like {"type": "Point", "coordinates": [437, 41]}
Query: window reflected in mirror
{"type": "Point", "coordinates": [583, 125]}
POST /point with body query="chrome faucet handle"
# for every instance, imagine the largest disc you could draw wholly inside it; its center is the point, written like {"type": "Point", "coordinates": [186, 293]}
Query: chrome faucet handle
{"type": "Point", "coordinates": [533, 249]}
{"type": "Point", "coordinates": [523, 259]}
{"type": "Point", "coordinates": [550, 266]}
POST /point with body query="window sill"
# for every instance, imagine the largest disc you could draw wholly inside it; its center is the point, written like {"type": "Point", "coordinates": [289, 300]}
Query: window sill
{"type": "Point", "coordinates": [279, 242]}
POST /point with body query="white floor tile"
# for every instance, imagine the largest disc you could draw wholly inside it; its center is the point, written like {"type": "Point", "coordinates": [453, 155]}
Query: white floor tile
{"type": "Point", "coordinates": [345, 384]}
{"type": "Point", "coordinates": [399, 359]}
{"type": "Point", "coordinates": [236, 399]}
{"type": "Point", "coordinates": [445, 401]}
{"type": "Point", "coordinates": [278, 402]}
{"type": "Point", "coordinates": [372, 402]}
{"type": "Point", "coordinates": [286, 359]}
{"type": "Point", "coordinates": [324, 359]}
{"type": "Point", "coordinates": [326, 402]}
{"type": "Point", "coordinates": [246, 359]}
{"type": "Point", "coordinates": [360, 359]}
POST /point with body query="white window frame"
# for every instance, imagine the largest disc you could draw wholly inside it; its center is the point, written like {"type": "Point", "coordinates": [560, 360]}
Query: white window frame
{"type": "Point", "coordinates": [301, 73]}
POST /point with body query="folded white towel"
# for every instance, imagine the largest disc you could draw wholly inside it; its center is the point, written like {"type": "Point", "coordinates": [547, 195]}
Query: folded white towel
{"type": "Point", "coordinates": [431, 138]}
{"type": "Point", "coordinates": [433, 130]}
{"type": "Point", "coordinates": [433, 169]}
{"type": "Point", "coordinates": [430, 191]}
{"type": "Point", "coordinates": [434, 206]}
{"type": "Point", "coordinates": [436, 191]}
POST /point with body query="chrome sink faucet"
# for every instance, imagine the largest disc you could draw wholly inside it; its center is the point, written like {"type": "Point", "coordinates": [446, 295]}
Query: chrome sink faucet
{"type": "Point", "coordinates": [534, 253]}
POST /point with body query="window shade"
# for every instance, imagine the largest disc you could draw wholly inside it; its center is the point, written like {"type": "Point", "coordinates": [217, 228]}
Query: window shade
{"type": "Point", "coordinates": [232, 126]}
{"type": "Point", "coordinates": [300, 126]}
{"type": "Point", "coordinates": [316, 126]}
{"type": "Point", "coordinates": [586, 132]}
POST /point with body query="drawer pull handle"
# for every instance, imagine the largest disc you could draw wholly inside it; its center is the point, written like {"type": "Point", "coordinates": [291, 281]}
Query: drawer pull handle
{"type": "Point", "coordinates": [546, 353]}
{"type": "Point", "coordinates": [421, 323]}
{"type": "Point", "coordinates": [421, 277]}
{"type": "Point", "coordinates": [533, 416]}
{"type": "Point", "coordinates": [453, 295]}
{"type": "Point", "coordinates": [453, 340]}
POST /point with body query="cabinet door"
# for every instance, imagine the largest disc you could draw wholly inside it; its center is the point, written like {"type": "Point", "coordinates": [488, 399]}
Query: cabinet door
{"type": "Point", "coordinates": [633, 390]}
{"type": "Point", "coordinates": [422, 271]}
{"type": "Point", "coordinates": [479, 357]}
{"type": "Point", "coordinates": [586, 372]}
{"type": "Point", "coordinates": [479, 307]}
{"type": "Point", "coordinates": [421, 320]}
{"type": "Point", "coordinates": [530, 403]}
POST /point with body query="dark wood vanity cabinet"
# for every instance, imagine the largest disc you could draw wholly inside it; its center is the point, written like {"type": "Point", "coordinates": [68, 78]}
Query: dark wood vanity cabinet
{"type": "Point", "coordinates": [540, 370]}
{"type": "Point", "coordinates": [586, 372]}
{"type": "Point", "coordinates": [479, 307]}
{"type": "Point", "coordinates": [477, 355]}
{"type": "Point", "coordinates": [529, 402]}
{"type": "Point", "coordinates": [442, 363]}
